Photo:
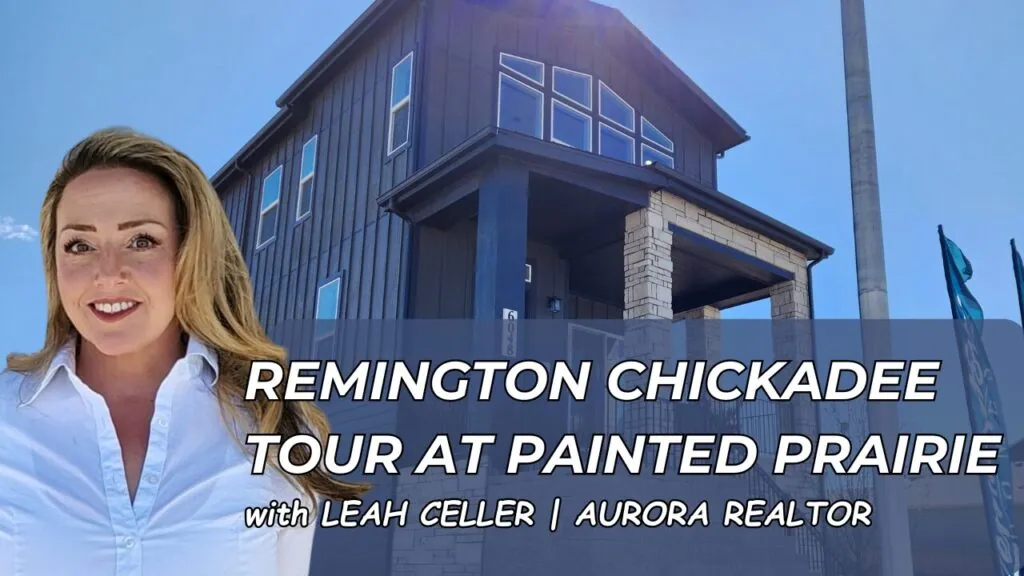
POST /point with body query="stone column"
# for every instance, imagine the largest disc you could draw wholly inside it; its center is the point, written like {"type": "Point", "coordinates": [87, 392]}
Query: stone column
{"type": "Point", "coordinates": [792, 340]}
{"type": "Point", "coordinates": [647, 259]}
{"type": "Point", "coordinates": [704, 344]}
{"type": "Point", "coordinates": [703, 333]}
{"type": "Point", "coordinates": [647, 255]}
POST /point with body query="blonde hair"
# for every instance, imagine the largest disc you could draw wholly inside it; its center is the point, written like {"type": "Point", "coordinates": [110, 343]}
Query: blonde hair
{"type": "Point", "coordinates": [213, 292]}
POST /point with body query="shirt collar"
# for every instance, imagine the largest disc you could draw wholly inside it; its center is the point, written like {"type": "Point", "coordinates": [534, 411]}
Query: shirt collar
{"type": "Point", "coordinates": [196, 354]}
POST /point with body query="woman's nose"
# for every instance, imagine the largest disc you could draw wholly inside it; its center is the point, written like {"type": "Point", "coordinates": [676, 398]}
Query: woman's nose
{"type": "Point", "coordinates": [109, 267]}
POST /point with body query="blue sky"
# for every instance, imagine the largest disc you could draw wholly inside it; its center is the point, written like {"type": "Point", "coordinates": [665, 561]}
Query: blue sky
{"type": "Point", "coordinates": [204, 76]}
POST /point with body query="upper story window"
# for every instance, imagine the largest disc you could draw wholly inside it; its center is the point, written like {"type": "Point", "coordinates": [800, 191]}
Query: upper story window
{"type": "Point", "coordinates": [614, 108]}
{"type": "Point", "coordinates": [615, 144]}
{"type": "Point", "coordinates": [652, 134]}
{"type": "Point", "coordinates": [650, 155]}
{"type": "Point", "coordinates": [520, 106]}
{"type": "Point", "coordinates": [307, 169]}
{"type": "Point", "coordinates": [400, 117]}
{"type": "Point", "coordinates": [572, 85]}
{"type": "Point", "coordinates": [328, 307]}
{"type": "Point", "coordinates": [529, 69]}
{"type": "Point", "coordinates": [608, 128]}
{"type": "Point", "coordinates": [657, 147]}
{"type": "Point", "coordinates": [328, 300]}
{"type": "Point", "coordinates": [570, 126]}
{"type": "Point", "coordinates": [270, 202]}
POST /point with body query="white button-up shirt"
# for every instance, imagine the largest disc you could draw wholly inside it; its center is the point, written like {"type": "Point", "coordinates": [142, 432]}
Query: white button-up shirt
{"type": "Point", "coordinates": [64, 502]}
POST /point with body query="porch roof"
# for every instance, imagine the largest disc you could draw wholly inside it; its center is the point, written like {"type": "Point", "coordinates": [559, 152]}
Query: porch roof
{"type": "Point", "coordinates": [451, 177]}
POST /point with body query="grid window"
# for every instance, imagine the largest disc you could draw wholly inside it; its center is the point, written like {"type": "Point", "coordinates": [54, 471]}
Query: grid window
{"type": "Point", "coordinates": [270, 204]}
{"type": "Point", "coordinates": [401, 104]}
{"type": "Point", "coordinates": [304, 204]}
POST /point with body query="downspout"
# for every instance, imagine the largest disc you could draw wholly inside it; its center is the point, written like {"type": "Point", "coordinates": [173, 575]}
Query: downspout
{"type": "Point", "coordinates": [822, 488]}
{"type": "Point", "coordinates": [247, 217]}
{"type": "Point", "coordinates": [810, 285]}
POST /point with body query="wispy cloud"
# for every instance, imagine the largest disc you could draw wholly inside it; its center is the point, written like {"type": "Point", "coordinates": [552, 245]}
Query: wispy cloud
{"type": "Point", "coordinates": [11, 230]}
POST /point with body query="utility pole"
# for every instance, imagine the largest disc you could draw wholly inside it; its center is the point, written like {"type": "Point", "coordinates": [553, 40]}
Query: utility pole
{"type": "Point", "coordinates": [891, 514]}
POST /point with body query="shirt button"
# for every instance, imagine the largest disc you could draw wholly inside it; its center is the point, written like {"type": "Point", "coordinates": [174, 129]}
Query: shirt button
{"type": "Point", "coordinates": [129, 542]}
{"type": "Point", "coordinates": [161, 422]}
{"type": "Point", "coordinates": [152, 479]}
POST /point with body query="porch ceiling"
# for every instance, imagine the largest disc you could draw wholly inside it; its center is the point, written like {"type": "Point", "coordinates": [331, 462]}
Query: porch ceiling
{"type": "Point", "coordinates": [703, 274]}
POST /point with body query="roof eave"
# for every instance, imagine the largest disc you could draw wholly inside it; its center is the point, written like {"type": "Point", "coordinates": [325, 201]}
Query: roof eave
{"type": "Point", "coordinates": [350, 37]}
{"type": "Point", "coordinates": [730, 133]}
{"type": "Point", "coordinates": [300, 87]}
{"type": "Point", "coordinates": [260, 139]}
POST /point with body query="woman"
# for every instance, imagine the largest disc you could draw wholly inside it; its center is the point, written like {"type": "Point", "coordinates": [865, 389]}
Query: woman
{"type": "Point", "coordinates": [123, 437]}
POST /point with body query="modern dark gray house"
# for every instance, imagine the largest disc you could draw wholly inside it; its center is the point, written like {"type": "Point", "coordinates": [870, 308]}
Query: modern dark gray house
{"type": "Point", "coordinates": [467, 158]}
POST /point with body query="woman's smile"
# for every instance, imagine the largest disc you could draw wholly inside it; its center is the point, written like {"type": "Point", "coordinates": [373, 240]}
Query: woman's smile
{"type": "Point", "coordinates": [113, 310]}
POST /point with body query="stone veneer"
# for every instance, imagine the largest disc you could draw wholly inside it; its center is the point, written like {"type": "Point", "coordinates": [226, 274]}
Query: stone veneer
{"type": "Point", "coordinates": [648, 294]}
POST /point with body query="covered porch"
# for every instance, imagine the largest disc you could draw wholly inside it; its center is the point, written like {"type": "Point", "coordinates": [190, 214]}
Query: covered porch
{"type": "Point", "coordinates": [509, 226]}
{"type": "Point", "coordinates": [600, 239]}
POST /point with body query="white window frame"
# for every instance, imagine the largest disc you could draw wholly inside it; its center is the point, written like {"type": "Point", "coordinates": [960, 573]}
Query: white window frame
{"type": "Point", "coordinates": [540, 129]}
{"type": "Point", "coordinates": [600, 101]}
{"type": "Point", "coordinates": [644, 124]}
{"type": "Point", "coordinates": [337, 301]}
{"type": "Point", "coordinates": [261, 242]}
{"type": "Point", "coordinates": [543, 69]}
{"type": "Point", "coordinates": [590, 84]}
{"type": "Point", "coordinates": [303, 179]}
{"type": "Point", "coordinates": [589, 142]}
{"type": "Point", "coordinates": [405, 101]}
{"type": "Point", "coordinates": [644, 147]}
{"type": "Point", "coordinates": [632, 142]}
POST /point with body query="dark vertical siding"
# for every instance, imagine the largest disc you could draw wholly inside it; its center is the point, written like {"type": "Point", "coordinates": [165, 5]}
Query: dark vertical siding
{"type": "Point", "coordinates": [444, 284]}
{"type": "Point", "coordinates": [346, 231]}
{"type": "Point", "coordinates": [346, 236]}
{"type": "Point", "coordinates": [461, 82]}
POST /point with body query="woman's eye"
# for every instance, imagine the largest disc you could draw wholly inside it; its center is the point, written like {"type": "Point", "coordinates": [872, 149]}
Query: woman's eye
{"type": "Point", "coordinates": [142, 242]}
{"type": "Point", "coordinates": [76, 247]}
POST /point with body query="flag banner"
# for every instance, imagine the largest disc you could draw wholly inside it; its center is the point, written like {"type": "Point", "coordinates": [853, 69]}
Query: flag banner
{"type": "Point", "coordinates": [983, 405]}
{"type": "Point", "coordinates": [1018, 274]}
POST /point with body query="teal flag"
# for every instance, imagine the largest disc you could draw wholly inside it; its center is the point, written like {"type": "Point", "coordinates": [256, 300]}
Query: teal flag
{"type": "Point", "coordinates": [1018, 274]}
{"type": "Point", "coordinates": [983, 405]}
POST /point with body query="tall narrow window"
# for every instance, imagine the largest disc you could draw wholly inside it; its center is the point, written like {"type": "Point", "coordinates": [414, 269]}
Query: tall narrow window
{"type": "Point", "coordinates": [520, 107]}
{"type": "Point", "coordinates": [328, 306]}
{"type": "Point", "coordinates": [401, 108]}
{"type": "Point", "coordinates": [614, 108]}
{"type": "Point", "coordinates": [304, 204]}
{"type": "Point", "coordinates": [270, 203]}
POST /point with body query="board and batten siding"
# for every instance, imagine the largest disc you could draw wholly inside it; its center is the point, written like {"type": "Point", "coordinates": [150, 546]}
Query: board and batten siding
{"type": "Point", "coordinates": [346, 235]}
{"type": "Point", "coordinates": [464, 38]}
{"type": "Point", "coordinates": [445, 279]}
